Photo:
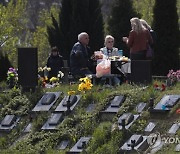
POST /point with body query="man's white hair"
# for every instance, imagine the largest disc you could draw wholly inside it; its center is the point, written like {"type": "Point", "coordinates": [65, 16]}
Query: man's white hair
{"type": "Point", "coordinates": [81, 35]}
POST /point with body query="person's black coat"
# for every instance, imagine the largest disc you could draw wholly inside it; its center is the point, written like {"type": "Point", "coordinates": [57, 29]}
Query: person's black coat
{"type": "Point", "coordinates": [55, 63]}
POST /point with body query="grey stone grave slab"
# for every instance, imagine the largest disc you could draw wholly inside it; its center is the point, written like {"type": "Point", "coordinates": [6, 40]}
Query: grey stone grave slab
{"type": "Point", "coordinates": [53, 121]}
{"type": "Point", "coordinates": [90, 107]}
{"type": "Point", "coordinates": [129, 119]}
{"type": "Point", "coordinates": [9, 122]}
{"type": "Point", "coordinates": [28, 128]}
{"type": "Point", "coordinates": [47, 101]}
{"type": "Point", "coordinates": [150, 127]}
{"type": "Point", "coordinates": [140, 107]}
{"type": "Point", "coordinates": [174, 128]}
{"type": "Point", "coordinates": [78, 147]}
{"type": "Point", "coordinates": [166, 103]}
{"type": "Point", "coordinates": [114, 105]}
{"type": "Point", "coordinates": [63, 145]}
{"type": "Point", "coordinates": [177, 148]}
{"type": "Point", "coordinates": [62, 107]}
{"type": "Point", "coordinates": [140, 144]}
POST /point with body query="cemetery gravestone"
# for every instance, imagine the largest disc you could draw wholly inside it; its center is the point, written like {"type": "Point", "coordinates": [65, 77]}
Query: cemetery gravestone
{"type": "Point", "coordinates": [150, 127]}
{"type": "Point", "coordinates": [126, 120]}
{"type": "Point", "coordinates": [177, 148]}
{"type": "Point", "coordinates": [140, 107]}
{"type": "Point", "coordinates": [114, 105]}
{"type": "Point", "coordinates": [9, 122]}
{"type": "Point", "coordinates": [47, 101]}
{"type": "Point", "coordinates": [166, 103]}
{"type": "Point", "coordinates": [135, 143]}
{"type": "Point", "coordinates": [63, 145]}
{"type": "Point", "coordinates": [62, 107]}
{"type": "Point", "coordinates": [174, 128]}
{"type": "Point", "coordinates": [53, 121]}
{"type": "Point", "coordinates": [80, 145]}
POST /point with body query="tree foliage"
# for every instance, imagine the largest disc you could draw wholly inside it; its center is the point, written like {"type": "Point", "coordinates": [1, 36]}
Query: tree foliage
{"type": "Point", "coordinates": [76, 17]}
{"type": "Point", "coordinates": [12, 26]}
{"type": "Point", "coordinates": [119, 21]}
{"type": "Point", "coordinates": [145, 8]}
{"type": "Point", "coordinates": [168, 35]}
{"type": "Point", "coordinates": [39, 38]}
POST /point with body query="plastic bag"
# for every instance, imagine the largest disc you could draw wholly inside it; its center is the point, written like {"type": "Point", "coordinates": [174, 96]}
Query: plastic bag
{"type": "Point", "coordinates": [103, 68]}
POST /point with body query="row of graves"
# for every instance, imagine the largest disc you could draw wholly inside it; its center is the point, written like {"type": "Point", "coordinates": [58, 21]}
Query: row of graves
{"type": "Point", "coordinates": [137, 142]}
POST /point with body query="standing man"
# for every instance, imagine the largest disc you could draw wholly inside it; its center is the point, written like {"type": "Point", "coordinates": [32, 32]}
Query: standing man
{"type": "Point", "coordinates": [80, 56]}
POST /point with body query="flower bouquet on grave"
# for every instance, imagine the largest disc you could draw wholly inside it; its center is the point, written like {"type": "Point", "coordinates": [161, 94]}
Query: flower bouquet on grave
{"type": "Point", "coordinates": [173, 77]}
{"type": "Point", "coordinates": [54, 81]}
{"type": "Point", "coordinates": [43, 75]}
{"type": "Point", "coordinates": [85, 85]}
{"type": "Point", "coordinates": [12, 77]}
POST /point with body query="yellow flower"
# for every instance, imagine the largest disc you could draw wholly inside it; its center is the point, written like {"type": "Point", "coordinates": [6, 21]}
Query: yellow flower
{"type": "Point", "coordinates": [53, 79]}
{"type": "Point", "coordinates": [72, 92]}
{"type": "Point", "coordinates": [85, 84]}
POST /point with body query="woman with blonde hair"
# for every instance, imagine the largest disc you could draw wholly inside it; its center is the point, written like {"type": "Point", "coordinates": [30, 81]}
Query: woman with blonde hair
{"type": "Point", "coordinates": [109, 50]}
{"type": "Point", "coordinates": [138, 40]}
